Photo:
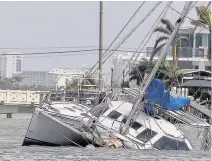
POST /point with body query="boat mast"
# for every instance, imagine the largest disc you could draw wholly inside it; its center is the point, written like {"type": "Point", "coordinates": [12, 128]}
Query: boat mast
{"type": "Point", "coordinates": [144, 86]}
{"type": "Point", "coordinates": [100, 43]}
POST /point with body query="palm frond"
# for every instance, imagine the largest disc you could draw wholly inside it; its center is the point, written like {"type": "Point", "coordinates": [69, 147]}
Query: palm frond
{"type": "Point", "coordinates": [204, 14]}
{"type": "Point", "coordinates": [160, 39]}
{"type": "Point", "coordinates": [162, 30]}
{"type": "Point", "coordinates": [156, 50]}
{"type": "Point", "coordinates": [169, 25]}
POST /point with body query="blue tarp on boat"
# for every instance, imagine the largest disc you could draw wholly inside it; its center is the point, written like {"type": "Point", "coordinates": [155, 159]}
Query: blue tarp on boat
{"type": "Point", "coordinates": [156, 94]}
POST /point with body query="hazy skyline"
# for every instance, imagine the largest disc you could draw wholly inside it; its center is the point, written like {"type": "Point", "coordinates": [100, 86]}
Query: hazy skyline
{"type": "Point", "coordinates": [71, 24]}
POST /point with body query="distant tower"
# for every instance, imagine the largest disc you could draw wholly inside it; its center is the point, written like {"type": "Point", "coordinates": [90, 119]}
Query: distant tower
{"type": "Point", "coordinates": [11, 65]}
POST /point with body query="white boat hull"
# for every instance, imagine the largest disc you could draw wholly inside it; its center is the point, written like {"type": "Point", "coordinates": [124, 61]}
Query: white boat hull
{"type": "Point", "coordinates": [48, 131]}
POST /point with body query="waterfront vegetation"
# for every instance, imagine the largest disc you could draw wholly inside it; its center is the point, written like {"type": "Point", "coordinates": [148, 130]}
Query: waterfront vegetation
{"type": "Point", "coordinates": [165, 30]}
{"type": "Point", "coordinates": [204, 20]}
{"type": "Point", "coordinates": [171, 75]}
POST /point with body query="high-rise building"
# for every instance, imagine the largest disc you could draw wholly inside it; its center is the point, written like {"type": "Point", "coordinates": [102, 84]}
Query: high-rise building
{"type": "Point", "coordinates": [11, 65]}
{"type": "Point", "coordinates": [38, 78]}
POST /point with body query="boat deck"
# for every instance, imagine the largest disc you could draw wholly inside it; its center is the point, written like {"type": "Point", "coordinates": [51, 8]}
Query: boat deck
{"type": "Point", "coordinates": [183, 116]}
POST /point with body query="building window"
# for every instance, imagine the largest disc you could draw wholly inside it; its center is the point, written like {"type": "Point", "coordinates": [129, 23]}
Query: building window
{"type": "Point", "coordinates": [198, 40]}
{"type": "Point", "coordinates": [208, 68]}
{"type": "Point", "coordinates": [18, 65]}
{"type": "Point", "coordinates": [196, 67]}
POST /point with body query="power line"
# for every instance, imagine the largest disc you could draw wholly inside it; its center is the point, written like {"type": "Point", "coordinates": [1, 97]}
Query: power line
{"type": "Point", "coordinates": [188, 11]}
{"type": "Point", "coordinates": [125, 26]}
{"type": "Point", "coordinates": [88, 73]}
{"type": "Point", "coordinates": [48, 47]}
{"type": "Point", "coordinates": [75, 52]}
{"type": "Point", "coordinates": [128, 35]}
{"type": "Point", "coordinates": [53, 52]}
{"type": "Point", "coordinates": [67, 47]}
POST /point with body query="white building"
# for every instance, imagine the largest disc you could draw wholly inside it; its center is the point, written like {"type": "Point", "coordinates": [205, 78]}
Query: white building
{"type": "Point", "coordinates": [68, 74]}
{"type": "Point", "coordinates": [11, 65]}
{"type": "Point", "coordinates": [193, 54]}
{"type": "Point", "coordinates": [36, 78]}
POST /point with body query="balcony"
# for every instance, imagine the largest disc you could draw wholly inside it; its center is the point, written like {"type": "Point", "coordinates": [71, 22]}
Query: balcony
{"type": "Point", "coordinates": [183, 52]}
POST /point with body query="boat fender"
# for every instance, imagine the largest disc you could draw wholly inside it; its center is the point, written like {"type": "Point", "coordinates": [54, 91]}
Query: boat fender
{"type": "Point", "coordinates": [90, 146]}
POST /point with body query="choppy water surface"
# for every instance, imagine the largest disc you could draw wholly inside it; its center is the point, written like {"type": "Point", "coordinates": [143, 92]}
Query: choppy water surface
{"type": "Point", "coordinates": [12, 132]}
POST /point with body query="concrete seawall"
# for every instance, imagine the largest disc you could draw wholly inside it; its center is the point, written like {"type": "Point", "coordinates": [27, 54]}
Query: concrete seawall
{"type": "Point", "coordinates": [5, 109]}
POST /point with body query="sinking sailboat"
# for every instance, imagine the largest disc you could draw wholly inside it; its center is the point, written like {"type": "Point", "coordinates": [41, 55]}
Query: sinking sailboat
{"type": "Point", "coordinates": [114, 123]}
{"type": "Point", "coordinates": [146, 132]}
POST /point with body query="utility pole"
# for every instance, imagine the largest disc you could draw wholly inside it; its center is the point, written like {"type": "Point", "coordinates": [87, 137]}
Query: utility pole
{"type": "Point", "coordinates": [100, 43]}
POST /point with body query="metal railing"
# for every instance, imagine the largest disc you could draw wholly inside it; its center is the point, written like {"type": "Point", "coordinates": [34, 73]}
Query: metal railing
{"type": "Point", "coordinates": [182, 52]}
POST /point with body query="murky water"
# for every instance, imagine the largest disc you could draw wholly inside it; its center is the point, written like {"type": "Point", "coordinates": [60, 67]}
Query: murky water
{"type": "Point", "coordinates": [12, 132]}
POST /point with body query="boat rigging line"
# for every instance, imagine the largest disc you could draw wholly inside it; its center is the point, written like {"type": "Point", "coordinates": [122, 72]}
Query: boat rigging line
{"type": "Point", "coordinates": [147, 37]}
{"type": "Point", "coordinates": [117, 36]}
{"type": "Point", "coordinates": [127, 36]}
{"type": "Point", "coordinates": [162, 14]}
{"type": "Point", "coordinates": [90, 73]}
{"type": "Point", "coordinates": [145, 85]}
{"type": "Point", "coordinates": [124, 27]}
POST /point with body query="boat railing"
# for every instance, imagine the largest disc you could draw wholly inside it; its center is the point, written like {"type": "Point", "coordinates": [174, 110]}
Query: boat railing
{"type": "Point", "coordinates": [182, 116]}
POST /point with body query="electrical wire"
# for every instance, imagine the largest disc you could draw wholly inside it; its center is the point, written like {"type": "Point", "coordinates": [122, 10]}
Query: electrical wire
{"type": "Point", "coordinates": [124, 27]}
{"type": "Point", "coordinates": [65, 52]}
{"type": "Point", "coordinates": [52, 52]}
{"type": "Point", "coordinates": [48, 47]}
{"type": "Point", "coordinates": [148, 35]}
{"type": "Point", "coordinates": [188, 11]}
{"type": "Point", "coordinates": [129, 34]}
{"type": "Point", "coordinates": [90, 73]}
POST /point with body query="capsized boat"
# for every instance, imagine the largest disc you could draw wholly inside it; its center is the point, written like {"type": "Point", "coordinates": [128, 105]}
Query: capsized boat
{"type": "Point", "coordinates": [70, 123]}
{"type": "Point", "coordinates": [59, 123]}
{"type": "Point", "coordinates": [148, 130]}
{"type": "Point", "coordinates": [55, 125]}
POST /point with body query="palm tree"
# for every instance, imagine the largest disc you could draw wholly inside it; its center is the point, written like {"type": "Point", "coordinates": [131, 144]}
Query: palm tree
{"type": "Point", "coordinates": [167, 72]}
{"type": "Point", "coordinates": [17, 79]}
{"type": "Point", "coordinates": [74, 83]}
{"type": "Point", "coordinates": [9, 82]}
{"type": "Point", "coordinates": [89, 80]}
{"type": "Point", "coordinates": [138, 73]}
{"type": "Point", "coordinates": [204, 14]}
{"type": "Point", "coordinates": [167, 30]}
{"type": "Point", "coordinates": [171, 74]}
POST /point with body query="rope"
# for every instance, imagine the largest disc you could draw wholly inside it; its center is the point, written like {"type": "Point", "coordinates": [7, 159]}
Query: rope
{"type": "Point", "coordinates": [127, 36]}
{"type": "Point", "coordinates": [144, 40]}
{"type": "Point", "coordinates": [89, 72]}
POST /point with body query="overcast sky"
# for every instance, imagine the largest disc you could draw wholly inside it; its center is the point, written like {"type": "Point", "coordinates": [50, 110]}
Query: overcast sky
{"type": "Point", "coordinates": [71, 24]}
